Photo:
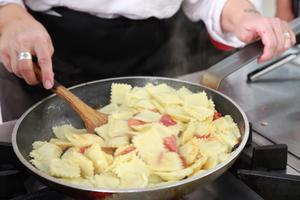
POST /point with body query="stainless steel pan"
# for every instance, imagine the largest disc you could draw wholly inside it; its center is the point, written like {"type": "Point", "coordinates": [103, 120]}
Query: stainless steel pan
{"type": "Point", "coordinates": [37, 122]}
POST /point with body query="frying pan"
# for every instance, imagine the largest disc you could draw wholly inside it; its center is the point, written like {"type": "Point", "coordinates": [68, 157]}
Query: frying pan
{"type": "Point", "coordinates": [37, 122]}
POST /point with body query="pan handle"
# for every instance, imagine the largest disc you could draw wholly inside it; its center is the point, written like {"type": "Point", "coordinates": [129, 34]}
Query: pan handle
{"type": "Point", "coordinates": [215, 74]}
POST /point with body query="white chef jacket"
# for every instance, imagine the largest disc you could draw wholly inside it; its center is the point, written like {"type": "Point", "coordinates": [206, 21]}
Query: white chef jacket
{"type": "Point", "coordinates": [208, 11]}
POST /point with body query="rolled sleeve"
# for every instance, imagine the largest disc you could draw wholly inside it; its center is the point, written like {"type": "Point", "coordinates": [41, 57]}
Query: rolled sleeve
{"type": "Point", "coordinates": [4, 2]}
{"type": "Point", "coordinates": [210, 12]}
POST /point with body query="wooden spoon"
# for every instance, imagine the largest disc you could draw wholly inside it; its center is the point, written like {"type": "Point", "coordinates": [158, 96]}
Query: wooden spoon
{"type": "Point", "coordinates": [91, 118]}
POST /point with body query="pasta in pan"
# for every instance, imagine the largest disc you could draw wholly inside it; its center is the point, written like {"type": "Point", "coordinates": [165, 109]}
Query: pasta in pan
{"type": "Point", "coordinates": [155, 135]}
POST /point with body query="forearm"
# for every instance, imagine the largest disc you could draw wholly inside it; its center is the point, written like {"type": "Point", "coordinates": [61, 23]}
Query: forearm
{"type": "Point", "coordinates": [11, 12]}
{"type": "Point", "coordinates": [284, 10]}
{"type": "Point", "coordinates": [284, 4]}
{"type": "Point", "coordinates": [233, 11]}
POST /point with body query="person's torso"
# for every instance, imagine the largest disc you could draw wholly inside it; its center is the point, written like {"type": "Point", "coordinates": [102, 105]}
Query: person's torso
{"type": "Point", "coordinates": [133, 9]}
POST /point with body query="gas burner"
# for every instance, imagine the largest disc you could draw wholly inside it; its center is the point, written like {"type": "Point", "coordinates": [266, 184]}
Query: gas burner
{"type": "Point", "coordinates": [263, 169]}
{"type": "Point", "coordinates": [272, 185]}
{"type": "Point", "coordinates": [12, 174]}
{"type": "Point", "coordinates": [11, 183]}
{"type": "Point", "coordinates": [269, 157]}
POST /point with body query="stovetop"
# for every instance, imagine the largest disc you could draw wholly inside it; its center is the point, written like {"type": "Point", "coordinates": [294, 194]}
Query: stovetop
{"type": "Point", "coordinates": [272, 106]}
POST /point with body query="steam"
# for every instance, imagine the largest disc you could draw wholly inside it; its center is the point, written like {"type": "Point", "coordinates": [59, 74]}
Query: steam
{"type": "Point", "coordinates": [190, 48]}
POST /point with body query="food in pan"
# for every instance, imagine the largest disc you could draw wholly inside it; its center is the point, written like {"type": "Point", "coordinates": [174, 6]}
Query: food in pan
{"type": "Point", "coordinates": [155, 135]}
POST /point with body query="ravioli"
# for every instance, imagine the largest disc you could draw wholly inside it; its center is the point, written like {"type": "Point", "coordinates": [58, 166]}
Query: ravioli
{"type": "Point", "coordinates": [155, 135]}
{"type": "Point", "coordinates": [64, 168]}
{"type": "Point", "coordinates": [83, 140]}
{"type": "Point", "coordinates": [99, 158]}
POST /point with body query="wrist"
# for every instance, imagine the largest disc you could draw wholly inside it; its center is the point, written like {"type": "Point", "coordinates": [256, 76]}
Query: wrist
{"type": "Point", "coordinates": [10, 13]}
{"type": "Point", "coordinates": [234, 12]}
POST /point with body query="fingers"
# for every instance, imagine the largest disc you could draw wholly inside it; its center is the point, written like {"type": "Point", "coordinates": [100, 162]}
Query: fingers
{"type": "Point", "coordinates": [269, 40]}
{"type": "Point", "coordinates": [289, 41]}
{"type": "Point", "coordinates": [44, 53]}
{"type": "Point", "coordinates": [272, 34]}
{"type": "Point", "coordinates": [22, 67]}
{"type": "Point", "coordinates": [25, 68]}
{"type": "Point", "coordinates": [278, 28]}
{"type": "Point", "coordinates": [14, 63]}
{"type": "Point", "coordinates": [27, 35]}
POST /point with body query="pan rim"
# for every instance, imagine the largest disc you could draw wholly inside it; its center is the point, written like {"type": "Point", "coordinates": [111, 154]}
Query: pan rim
{"type": "Point", "coordinates": [233, 155]}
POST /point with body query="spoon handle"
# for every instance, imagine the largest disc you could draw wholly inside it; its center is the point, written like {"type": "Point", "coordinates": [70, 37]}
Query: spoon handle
{"type": "Point", "coordinates": [90, 116]}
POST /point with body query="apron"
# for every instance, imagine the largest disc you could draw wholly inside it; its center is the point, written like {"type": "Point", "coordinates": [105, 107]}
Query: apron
{"type": "Point", "coordinates": [89, 48]}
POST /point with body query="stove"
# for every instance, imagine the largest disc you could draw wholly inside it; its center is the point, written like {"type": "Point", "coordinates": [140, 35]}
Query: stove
{"type": "Point", "coordinates": [268, 168]}
{"type": "Point", "coordinates": [17, 184]}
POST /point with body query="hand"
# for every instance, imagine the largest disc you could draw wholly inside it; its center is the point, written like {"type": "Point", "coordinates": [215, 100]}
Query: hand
{"type": "Point", "coordinates": [241, 18]}
{"type": "Point", "coordinates": [276, 34]}
{"type": "Point", "coordinates": [20, 32]}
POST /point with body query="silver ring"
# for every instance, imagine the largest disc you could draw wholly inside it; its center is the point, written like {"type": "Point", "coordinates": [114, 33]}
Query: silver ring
{"type": "Point", "coordinates": [287, 35]}
{"type": "Point", "coordinates": [25, 56]}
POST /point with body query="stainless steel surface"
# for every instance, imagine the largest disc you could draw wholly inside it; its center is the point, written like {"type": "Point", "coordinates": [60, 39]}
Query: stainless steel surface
{"type": "Point", "coordinates": [37, 122]}
{"type": "Point", "coordinates": [215, 74]}
{"type": "Point", "coordinates": [274, 98]}
{"type": "Point", "coordinates": [273, 67]}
